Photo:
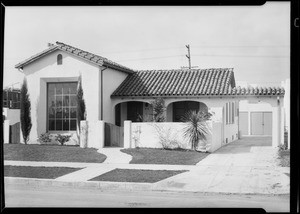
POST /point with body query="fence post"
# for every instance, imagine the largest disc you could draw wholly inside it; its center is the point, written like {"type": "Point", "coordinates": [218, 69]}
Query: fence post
{"type": "Point", "coordinates": [101, 126]}
{"type": "Point", "coordinates": [83, 134]}
{"type": "Point", "coordinates": [6, 131]}
{"type": "Point", "coordinates": [127, 134]}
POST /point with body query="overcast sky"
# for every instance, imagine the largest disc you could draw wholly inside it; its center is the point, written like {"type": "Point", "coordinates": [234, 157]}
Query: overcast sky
{"type": "Point", "coordinates": [254, 40]}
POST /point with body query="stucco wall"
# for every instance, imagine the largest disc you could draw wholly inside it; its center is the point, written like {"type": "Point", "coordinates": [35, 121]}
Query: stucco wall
{"type": "Point", "coordinates": [13, 115]}
{"type": "Point", "coordinates": [111, 81]}
{"type": "Point", "coordinates": [147, 135]}
{"type": "Point", "coordinates": [46, 70]}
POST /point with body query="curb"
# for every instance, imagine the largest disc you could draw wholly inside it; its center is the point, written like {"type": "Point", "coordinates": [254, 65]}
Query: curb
{"type": "Point", "coordinates": [101, 185]}
{"type": "Point", "coordinates": [115, 186]}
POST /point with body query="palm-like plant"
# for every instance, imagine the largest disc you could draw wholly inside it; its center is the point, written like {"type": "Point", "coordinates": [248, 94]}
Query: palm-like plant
{"type": "Point", "coordinates": [196, 128]}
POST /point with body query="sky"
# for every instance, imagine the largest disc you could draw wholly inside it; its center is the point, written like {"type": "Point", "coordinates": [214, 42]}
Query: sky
{"type": "Point", "coordinates": [253, 40]}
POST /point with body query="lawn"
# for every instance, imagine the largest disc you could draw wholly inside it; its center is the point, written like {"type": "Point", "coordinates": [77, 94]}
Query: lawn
{"type": "Point", "coordinates": [161, 156]}
{"type": "Point", "coordinates": [136, 175]}
{"type": "Point", "coordinates": [284, 156]}
{"type": "Point", "coordinates": [37, 172]}
{"type": "Point", "coordinates": [57, 153]}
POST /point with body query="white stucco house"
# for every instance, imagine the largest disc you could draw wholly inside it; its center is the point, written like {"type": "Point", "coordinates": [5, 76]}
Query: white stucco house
{"type": "Point", "coordinates": [115, 94]}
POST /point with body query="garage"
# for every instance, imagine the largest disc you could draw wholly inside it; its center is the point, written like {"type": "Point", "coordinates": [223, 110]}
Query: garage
{"type": "Point", "coordinates": [255, 123]}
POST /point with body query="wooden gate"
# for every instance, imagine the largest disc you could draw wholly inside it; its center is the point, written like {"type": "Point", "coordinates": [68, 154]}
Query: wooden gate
{"type": "Point", "coordinates": [14, 133]}
{"type": "Point", "coordinates": [114, 135]}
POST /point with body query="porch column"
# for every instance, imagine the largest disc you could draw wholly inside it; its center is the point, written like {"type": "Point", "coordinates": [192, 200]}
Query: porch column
{"type": "Point", "coordinates": [276, 126]}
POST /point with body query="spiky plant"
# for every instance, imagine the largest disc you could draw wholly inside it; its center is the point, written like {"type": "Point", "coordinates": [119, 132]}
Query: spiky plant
{"type": "Point", "coordinates": [25, 107]}
{"type": "Point", "coordinates": [196, 128]}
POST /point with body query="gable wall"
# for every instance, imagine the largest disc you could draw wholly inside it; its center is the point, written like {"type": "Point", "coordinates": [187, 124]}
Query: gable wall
{"type": "Point", "coordinates": [46, 70]}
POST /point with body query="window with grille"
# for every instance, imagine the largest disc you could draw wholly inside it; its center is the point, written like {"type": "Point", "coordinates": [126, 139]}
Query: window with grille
{"type": "Point", "coordinates": [62, 106]}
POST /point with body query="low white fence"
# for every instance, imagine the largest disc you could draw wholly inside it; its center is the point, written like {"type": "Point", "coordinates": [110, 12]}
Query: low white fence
{"type": "Point", "coordinates": [150, 135]}
{"type": "Point", "coordinates": [171, 135]}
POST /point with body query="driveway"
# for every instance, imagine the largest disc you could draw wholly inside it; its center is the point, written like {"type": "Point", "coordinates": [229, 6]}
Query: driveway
{"type": "Point", "coordinates": [247, 166]}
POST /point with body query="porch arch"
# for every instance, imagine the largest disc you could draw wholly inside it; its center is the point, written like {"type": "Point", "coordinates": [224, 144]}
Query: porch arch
{"type": "Point", "coordinates": [176, 109]}
{"type": "Point", "coordinates": [134, 110]}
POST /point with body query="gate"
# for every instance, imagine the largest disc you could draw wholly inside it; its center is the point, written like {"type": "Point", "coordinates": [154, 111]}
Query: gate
{"type": "Point", "coordinates": [114, 135]}
{"type": "Point", "coordinates": [14, 133]}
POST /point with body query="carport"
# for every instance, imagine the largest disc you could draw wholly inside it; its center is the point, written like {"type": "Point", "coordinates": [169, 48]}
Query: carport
{"type": "Point", "coordinates": [262, 122]}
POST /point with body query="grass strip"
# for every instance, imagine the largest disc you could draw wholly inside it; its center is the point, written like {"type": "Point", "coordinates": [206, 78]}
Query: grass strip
{"type": "Point", "coordinates": [136, 175]}
{"type": "Point", "coordinates": [37, 172]}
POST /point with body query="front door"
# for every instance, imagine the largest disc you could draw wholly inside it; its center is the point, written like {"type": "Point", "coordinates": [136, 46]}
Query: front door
{"type": "Point", "coordinates": [135, 111]}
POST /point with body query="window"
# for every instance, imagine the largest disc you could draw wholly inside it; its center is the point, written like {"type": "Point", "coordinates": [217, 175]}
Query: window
{"type": "Point", "coordinates": [226, 112]}
{"type": "Point", "coordinates": [59, 59]}
{"type": "Point", "coordinates": [62, 106]}
{"type": "Point", "coordinates": [232, 112]}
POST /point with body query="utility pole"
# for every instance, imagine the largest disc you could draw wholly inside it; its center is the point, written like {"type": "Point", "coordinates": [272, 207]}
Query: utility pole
{"type": "Point", "coordinates": [189, 56]}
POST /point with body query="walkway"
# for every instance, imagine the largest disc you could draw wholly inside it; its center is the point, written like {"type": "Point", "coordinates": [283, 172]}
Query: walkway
{"type": "Point", "coordinates": [114, 155]}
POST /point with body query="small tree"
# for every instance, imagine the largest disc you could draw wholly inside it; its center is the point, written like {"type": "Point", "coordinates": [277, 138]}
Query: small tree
{"type": "Point", "coordinates": [81, 114]}
{"type": "Point", "coordinates": [25, 107]}
{"type": "Point", "coordinates": [196, 128]}
{"type": "Point", "coordinates": [158, 110]}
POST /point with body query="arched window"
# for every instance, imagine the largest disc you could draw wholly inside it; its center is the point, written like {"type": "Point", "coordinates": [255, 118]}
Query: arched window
{"type": "Point", "coordinates": [59, 59]}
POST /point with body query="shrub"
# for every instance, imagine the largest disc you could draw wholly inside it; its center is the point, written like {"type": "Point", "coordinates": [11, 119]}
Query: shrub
{"type": "Point", "coordinates": [62, 139]}
{"type": "Point", "coordinates": [196, 127]}
{"type": "Point", "coordinates": [25, 107]}
{"type": "Point", "coordinates": [44, 138]}
{"type": "Point", "coordinates": [158, 110]}
{"type": "Point", "coordinates": [167, 137]}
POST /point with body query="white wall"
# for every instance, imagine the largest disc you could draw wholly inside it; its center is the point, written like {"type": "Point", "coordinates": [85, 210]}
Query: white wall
{"type": "Point", "coordinates": [147, 134]}
{"type": "Point", "coordinates": [13, 115]}
{"type": "Point", "coordinates": [46, 70]}
{"type": "Point", "coordinates": [111, 81]}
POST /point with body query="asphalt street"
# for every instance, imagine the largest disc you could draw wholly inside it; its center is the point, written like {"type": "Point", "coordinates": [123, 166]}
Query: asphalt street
{"type": "Point", "coordinates": [20, 195]}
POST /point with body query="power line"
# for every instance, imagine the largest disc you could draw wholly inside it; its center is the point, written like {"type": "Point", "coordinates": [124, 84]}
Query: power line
{"type": "Point", "coordinates": [219, 55]}
{"type": "Point", "coordinates": [149, 58]}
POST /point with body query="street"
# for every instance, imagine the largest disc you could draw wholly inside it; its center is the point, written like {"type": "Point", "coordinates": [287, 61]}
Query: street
{"type": "Point", "coordinates": [18, 195]}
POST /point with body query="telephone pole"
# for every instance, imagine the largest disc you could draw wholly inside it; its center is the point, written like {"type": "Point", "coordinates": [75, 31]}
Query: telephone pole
{"type": "Point", "coordinates": [189, 56]}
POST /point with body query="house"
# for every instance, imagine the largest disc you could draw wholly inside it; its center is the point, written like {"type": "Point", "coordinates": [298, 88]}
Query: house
{"type": "Point", "coordinates": [11, 115]}
{"type": "Point", "coordinates": [114, 93]}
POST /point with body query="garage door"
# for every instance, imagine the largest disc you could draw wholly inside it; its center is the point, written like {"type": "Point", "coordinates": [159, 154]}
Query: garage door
{"type": "Point", "coordinates": [243, 123]}
{"type": "Point", "coordinates": [261, 123]}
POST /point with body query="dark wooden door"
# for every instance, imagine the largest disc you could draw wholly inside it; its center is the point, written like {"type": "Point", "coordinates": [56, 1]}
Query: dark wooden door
{"type": "Point", "coordinates": [114, 135]}
{"type": "Point", "coordinates": [134, 111]}
{"type": "Point", "coordinates": [14, 133]}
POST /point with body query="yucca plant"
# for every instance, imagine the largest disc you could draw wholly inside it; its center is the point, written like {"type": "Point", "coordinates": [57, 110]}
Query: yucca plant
{"type": "Point", "coordinates": [196, 128]}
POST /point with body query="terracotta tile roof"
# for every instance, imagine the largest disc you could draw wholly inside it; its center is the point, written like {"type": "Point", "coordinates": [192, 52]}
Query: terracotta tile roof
{"type": "Point", "coordinates": [194, 82]}
{"type": "Point", "coordinates": [99, 60]}
{"type": "Point", "coordinates": [177, 82]}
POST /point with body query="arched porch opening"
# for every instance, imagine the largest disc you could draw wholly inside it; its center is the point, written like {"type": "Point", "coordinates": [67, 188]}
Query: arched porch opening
{"type": "Point", "coordinates": [136, 111]}
{"type": "Point", "coordinates": [176, 110]}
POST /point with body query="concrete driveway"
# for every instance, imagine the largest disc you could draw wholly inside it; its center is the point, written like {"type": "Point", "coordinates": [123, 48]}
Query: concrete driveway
{"type": "Point", "coordinates": [247, 166]}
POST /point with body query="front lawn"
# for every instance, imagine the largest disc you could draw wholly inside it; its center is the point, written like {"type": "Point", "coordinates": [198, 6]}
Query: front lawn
{"type": "Point", "coordinates": [37, 172]}
{"type": "Point", "coordinates": [284, 157]}
{"type": "Point", "coordinates": [56, 153]}
{"type": "Point", "coordinates": [161, 156]}
{"type": "Point", "coordinates": [136, 175]}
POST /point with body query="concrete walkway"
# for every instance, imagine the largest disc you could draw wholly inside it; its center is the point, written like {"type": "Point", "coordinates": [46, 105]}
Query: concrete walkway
{"type": "Point", "coordinates": [114, 155]}
{"type": "Point", "coordinates": [246, 166]}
